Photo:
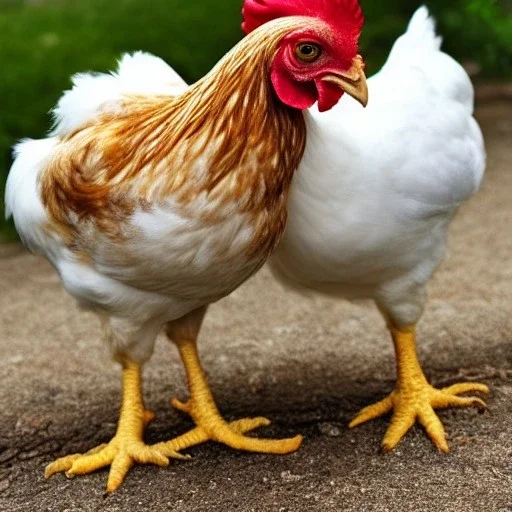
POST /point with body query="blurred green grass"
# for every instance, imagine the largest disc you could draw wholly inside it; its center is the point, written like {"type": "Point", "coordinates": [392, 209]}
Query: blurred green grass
{"type": "Point", "coordinates": [43, 42]}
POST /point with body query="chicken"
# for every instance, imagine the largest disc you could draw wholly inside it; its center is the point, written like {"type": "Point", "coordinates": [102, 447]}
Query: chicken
{"type": "Point", "coordinates": [153, 199]}
{"type": "Point", "coordinates": [371, 204]}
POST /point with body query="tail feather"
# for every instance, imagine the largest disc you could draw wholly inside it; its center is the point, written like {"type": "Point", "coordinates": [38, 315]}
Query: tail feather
{"type": "Point", "coordinates": [420, 38]}
{"type": "Point", "coordinates": [418, 51]}
{"type": "Point", "coordinates": [22, 198]}
{"type": "Point", "coordinates": [96, 93]}
{"type": "Point", "coordinates": [422, 30]}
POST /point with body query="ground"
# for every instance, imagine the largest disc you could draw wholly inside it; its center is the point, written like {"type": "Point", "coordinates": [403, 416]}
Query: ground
{"type": "Point", "coordinates": [307, 363]}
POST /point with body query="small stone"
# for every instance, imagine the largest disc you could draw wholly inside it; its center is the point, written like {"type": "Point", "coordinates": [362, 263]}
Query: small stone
{"type": "Point", "coordinates": [28, 455]}
{"type": "Point", "coordinates": [4, 485]}
{"type": "Point", "coordinates": [8, 454]}
{"type": "Point", "coordinates": [287, 476]}
{"type": "Point", "coordinates": [330, 430]}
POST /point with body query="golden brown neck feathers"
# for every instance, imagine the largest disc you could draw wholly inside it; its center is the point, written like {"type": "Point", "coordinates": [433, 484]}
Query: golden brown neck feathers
{"type": "Point", "coordinates": [228, 135]}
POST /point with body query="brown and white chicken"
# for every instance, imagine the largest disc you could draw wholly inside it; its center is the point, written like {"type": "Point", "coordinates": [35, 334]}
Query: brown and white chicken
{"type": "Point", "coordinates": [153, 200]}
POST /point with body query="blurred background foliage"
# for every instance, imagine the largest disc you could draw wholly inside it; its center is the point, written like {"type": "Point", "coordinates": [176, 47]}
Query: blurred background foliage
{"type": "Point", "coordinates": [43, 42]}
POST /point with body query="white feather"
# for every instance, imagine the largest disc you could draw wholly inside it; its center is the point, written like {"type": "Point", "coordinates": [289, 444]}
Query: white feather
{"type": "Point", "coordinates": [96, 93]}
{"type": "Point", "coordinates": [22, 198]}
{"type": "Point", "coordinates": [372, 200]}
{"type": "Point", "coordinates": [422, 31]}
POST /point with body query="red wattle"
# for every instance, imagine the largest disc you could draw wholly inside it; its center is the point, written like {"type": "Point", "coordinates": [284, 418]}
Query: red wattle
{"type": "Point", "coordinates": [328, 94]}
{"type": "Point", "coordinates": [300, 95]}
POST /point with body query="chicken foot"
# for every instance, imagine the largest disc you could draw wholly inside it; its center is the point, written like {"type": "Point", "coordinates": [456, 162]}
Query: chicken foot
{"type": "Point", "coordinates": [415, 399]}
{"type": "Point", "coordinates": [126, 447]}
{"type": "Point", "coordinates": [210, 424]}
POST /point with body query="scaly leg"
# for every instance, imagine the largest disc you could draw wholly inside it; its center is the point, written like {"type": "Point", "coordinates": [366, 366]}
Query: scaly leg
{"type": "Point", "coordinates": [210, 425]}
{"type": "Point", "coordinates": [127, 446]}
{"type": "Point", "coordinates": [415, 399]}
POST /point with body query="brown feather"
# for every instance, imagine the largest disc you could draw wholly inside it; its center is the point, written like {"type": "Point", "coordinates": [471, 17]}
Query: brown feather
{"type": "Point", "coordinates": [156, 149]}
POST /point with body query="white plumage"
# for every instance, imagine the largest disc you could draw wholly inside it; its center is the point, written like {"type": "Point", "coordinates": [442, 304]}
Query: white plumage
{"type": "Point", "coordinates": [95, 93]}
{"type": "Point", "coordinates": [371, 203]}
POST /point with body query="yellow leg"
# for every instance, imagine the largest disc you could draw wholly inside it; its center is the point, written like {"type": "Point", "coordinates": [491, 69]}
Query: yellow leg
{"type": "Point", "coordinates": [415, 399]}
{"type": "Point", "coordinates": [209, 423]}
{"type": "Point", "coordinates": [127, 446]}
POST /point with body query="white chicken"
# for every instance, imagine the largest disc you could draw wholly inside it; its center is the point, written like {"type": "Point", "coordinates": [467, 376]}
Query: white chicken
{"type": "Point", "coordinates": [371, 204]}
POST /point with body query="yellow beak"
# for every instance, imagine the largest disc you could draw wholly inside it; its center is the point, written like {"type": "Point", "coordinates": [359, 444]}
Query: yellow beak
{"type": "Point", "coordinates": [353, 82]}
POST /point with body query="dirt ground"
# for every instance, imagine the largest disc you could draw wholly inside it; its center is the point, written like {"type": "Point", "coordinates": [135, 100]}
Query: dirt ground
{"type": "Point", "coordinates": [307, 363]}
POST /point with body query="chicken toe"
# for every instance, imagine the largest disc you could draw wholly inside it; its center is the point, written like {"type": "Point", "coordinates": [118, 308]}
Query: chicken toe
{"type": "Point", "coordinates": [126, 448]}
{"type": "Point", "coordinates": [209, 423]}
{"type": "Point", "coordinates": [414, 399]}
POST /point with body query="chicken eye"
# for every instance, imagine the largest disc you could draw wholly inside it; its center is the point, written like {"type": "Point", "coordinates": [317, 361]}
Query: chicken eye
{"type": "Point", "coordinates": [307, 52]}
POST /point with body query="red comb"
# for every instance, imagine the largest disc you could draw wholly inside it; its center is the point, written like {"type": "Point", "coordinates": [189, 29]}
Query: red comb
{"type": "Point", "coordinates": [346, 15]}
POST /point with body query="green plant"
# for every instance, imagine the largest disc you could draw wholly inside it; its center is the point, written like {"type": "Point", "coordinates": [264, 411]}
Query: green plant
{"type": "Point", "coordinates": [479, 31]}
